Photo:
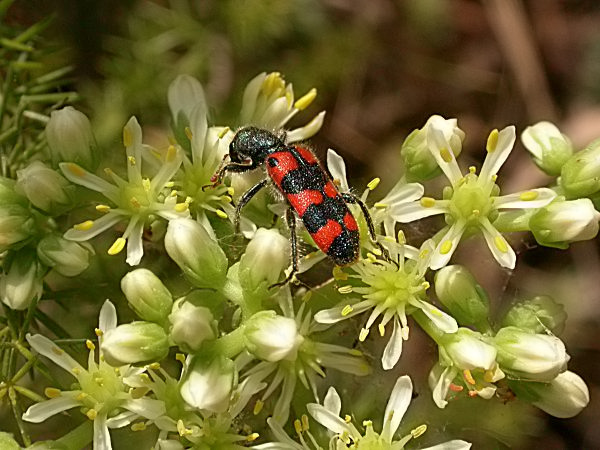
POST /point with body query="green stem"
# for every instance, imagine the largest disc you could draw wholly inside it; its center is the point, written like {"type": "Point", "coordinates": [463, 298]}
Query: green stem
{"type": "Point", "coordinates": [18, 413]}
{"type": "Point", "coordinates": [513, 221]}
{"type": "Point", "coordinates": [428, 326]}
{"type": "Point", "coordinates": [231, 344]}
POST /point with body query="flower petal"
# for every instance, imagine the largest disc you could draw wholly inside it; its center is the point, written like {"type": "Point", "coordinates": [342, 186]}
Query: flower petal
{"type": "Point", "coordinates": [107, 319]}
{"type": "Point", "coordinates": [132, 139]}
{"type": "Point", "coordinates": [98, 226]}
{"type": "Point", "coordinates": [334, 315]}
{"type": "Point", "coordinates": [46, 347]}
{"type": "Point", "coordinates": [145, 407]}
{"type": "Point", "coordinates": [393, 348]}
{"type": "Point", "coordinates": [78, 175]}
{"type": "Point", "coordinates": [441, 320]}
{"type": "Point", "coordinates": [534, 198]}
{"type": "Point", "coordinates": [41, 411]}
{"type": "Point", "coordinates": [498, 245]}
{"type": "Point", "coordinates": [121, 420]}
{"type": "Point", "coordinates": [444, 250]}
{"type": "Point", "coordinates": [498, 152]}
{"type": "Point", "coordinates": [409, 212]}
{"type": "Point", "coordinates": [397, 405]}
{"type": "Point", "coordinates": [441, 150]}
{"type": "Point", "coordinates": [337, 169]}
{"type": "Point", "coordinates": [439, 380]}
{"type": "Point", "coordinates": [101, 434]}
{"type": "Point", "coordinates": [307, 131]}
{"type": "Point", "coordinates": [135, 247]}
{"type": "Point", "coordinates": [403, 193]}
{"type": "Point", "coordinates": [330, 420]}
{"type": "Point", "coordinates": [455, 444]}
{"type": "Point", "coordinates": [332, 401]}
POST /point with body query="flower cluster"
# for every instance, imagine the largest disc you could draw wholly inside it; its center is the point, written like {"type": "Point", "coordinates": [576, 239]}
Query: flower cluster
{"type": "Point", "coordinates": [220, 347]}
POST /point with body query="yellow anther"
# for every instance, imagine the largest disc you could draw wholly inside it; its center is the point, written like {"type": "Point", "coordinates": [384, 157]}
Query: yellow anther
{"type": "Point", "coordinates": [91, 414]}
{"type": "Point", "coordinates": [367, 423]}
{"type": "Point", "coordinates": [90, 345]}
{"type": "Point", "coordinates": [472, 169]}
{"type": "Point", "coordinates": [230, 191]}
{"type": "Point", "coordinates": [98, 332]}
{"type": "Point", "coordinates": [169, 184]}
{"type": "Point", "coordinates": [154, 366]}
{"type": "Point", "coordinates": [345, 289]}
{"type": "Point", "coordinates": [339, 274]}
{"type": "Point", "coordinates": [223, 132]}
{"type": "Point", "coordinates": [401, 237]}
{"type": "Point", "coordinates": [475, 213]}
{"type": "Point", "coordinates": [381, 329]}
{"type": "Point", "coordinates": [252, 437]}
{"type": "Point", "coordinates": [57, 351]}
{"type": "Point", "coordinates": [347, 418]}
{"type": "Point", "coordinates": [418, 431]}
{"type": "Point", "coordinates": [371, 257]}
{"type": "Point", "coordinates": [468, 376]}
{"type": "Point", "coordinates": [488, 376]}
{"type": "Point", "coordinates": [188, 133]}
{"type": "Point", "coordinates": [446, 154]}
{"type": "Point", "coordinates": [346, 310]}
{"type": "Point", "coordinates": [144, 378]}
{"type": "Point", "coordinates": [171, 153]}
{"type": "Point", "coordinates": [117, 246]}
{"type": "Point", "coordinates": [494, 178]}
{"type": "Point", "coordinates": [423, 253]}
{"type": "Point", "coordinates": [173, 193]}
{"type": "Point", "coordinates": [379, 205]}
{"type": "Point", "coordinates": [52, 392]}
{"type": "Point", "coordinates": [427, 202]}
{"type": "Point", "coordinates": [180, 207]}
{"type": "Point", "coordinates": [81, 396]}
{"type": "Point", "coordinates": [182, 430]}
{"type": "Point", "coordinates": [226, 198]}
{"type": "Point", "coordinates": [305, 424]}
{"type": "Point", "coordinates": [102, 208]}
{"type": "Point", "coordinates": [363, 334]}
{"type": "Point", "coordinates": [146, 184]}
{"type": "Point", "coordinates": [529, 196]}
{"type": "Point", "coordinates": [138, 426]}
{"type": "Point", "coordinates": [492, 141]}
{"type": "Point", "coordinates": [75, 169]}
{"type": "Point", "coordinates": [373, 183]}
{"type": "Point", "coordinates": [304, 101]}
{"type": "Point", "coordinates": [446, 247]}
{"type": "Point", "coordinates": [298, 426]}
{"type": "Point", "coordinates": [127, 138]}
{"type": "Point", "coordinates": [258, 406]}
{"type": "Point", "coordinates": [131, 160]}
{"type": "Point", "coordinates": [425, 285]}
{"type": "Point", "coordinates": [135, 203]}
{"type": "Point", "coordinates": [180, 357]}
{"type": "Point", "coordinates": [76, 370]}
{"type": "Point", "coordinates": [222, 214]}
{"type": "Point", "coordinates": [84, 226]}
{"type": "Point", "coordinates": [273, 83]}
{"type": "Point", "coordinates": [501, 244]}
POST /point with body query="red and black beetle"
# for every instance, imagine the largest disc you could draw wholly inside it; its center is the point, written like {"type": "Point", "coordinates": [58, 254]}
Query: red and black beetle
{"type": "Point", "coordinates": [307, 188]}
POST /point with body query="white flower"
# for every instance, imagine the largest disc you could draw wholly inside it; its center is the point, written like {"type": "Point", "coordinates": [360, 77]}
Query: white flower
{"type": "Point", "coordinates": [70, 138]}
{"type": "Point", "coordinates": [548, 146]}
{"type": "Point", "coordinates": [472, 201]}
{"type": "Point", "coordinates": [138, 199]}
{"type": "Point", "coordinates": [347, 434]}
{"type": "Point", "coordinates": [147, 295]}
{"type": "Point", "coordinates": [271, 337]}
{"type": "Point", "coordinates": [389, 289]}
{"type": "Point", "coordinates": [191, 325]}
{"type": "Point", "coordinates": [135, 342]}
{"type": "Point", "coordinates": [103, 392]}
{"type": "Point", "coordinates": [564, 397]}
{"type": "Point", "coordinates": [208, 385]}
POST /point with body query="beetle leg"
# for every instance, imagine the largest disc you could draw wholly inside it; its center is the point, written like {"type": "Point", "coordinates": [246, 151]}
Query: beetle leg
{"type": "Point", "coordinates": [245, 198]}
{"type": "Point", "coordinates": [353, 199]}
{"type": "Point", "coordinates": [290, 218]}
{"type": "Point", "coordinates": [217, 178]}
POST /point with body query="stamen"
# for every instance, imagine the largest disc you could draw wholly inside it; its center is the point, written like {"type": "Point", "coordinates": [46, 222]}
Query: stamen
{"type": "Point", "coordinates": [347, 310]}
{"type": "Point", "coordinates": [98, 332]}
{"type": "Point", "coordinates": [381, 205]}
{"type": "Point", "coordinates": [117, 246]}
{"type": "Point", "coordinates": [446, 247]}
{"type": "Point", "coordinates": [500, 244]}
{"type": "Point", "coordinates": [492, 141]}
{"type": "Point", "coordinates": [468, 376]}
{"type": "Point", "coordinates": [304, 101]}
{"type": "Point", "coordinates": [90, 345]}
{"type": "Point", "coordinates": [52, 392]}
{"type": "Point", "coordinates": [305, 424]}
{"type": "Point", "coordinates": [347, 418]}
{"type": "Point", "coordinates": [188, 133]}
{"type": "Point", "coordinates": [472, 169]}
{"type": "Point", "coordinates": [127, 138]}
{"type": "Point", "coordinates": [75, 169]}
{"type": "Point", "coordinates": [446, 154]}
{"type": "Point", "coordinates": [252, 437]}
{"type": "Point", "coordinates": [222, 214]}
{"type": "Point", "coordinates": [102, 208]}
{"type": "Point", "coordinates": [427, 202]}
{"type": "Point", "coordinates": [381, 328]}
{"type": "Point", "coordinates": [169, 184]}
{"type": "Point", "coordinates": [345, 289]}
{"type": "Point", "coordinates": [81, 396]}
{"type": "Point", "coordinates": [298, 426]}
{"type": "Point", "coordinates": [180, 207]}
{"type": "Point", "coordinates": [373, 183]}
{"type": "Point", "coordinates": [419, 431]}
{"type": "Point", "coordinates": [131, 160]}
{"type": "Point", "coordinates": [91, 414]}
{"type": "Point", "coordinates": [488, 376]}
{"type": "Point", "coordinates": [171, 153]}
{"type": "Point", "coordinates": [139, 426]}
{"type": "Point", "coordinates": [363, 334]}
{"type": "Point", "coordinates": [455, 387]}
{"type": "Point", "coordinates": [223, 132]}
{"type": "Point", "coordinates": [180, 357]}
{"type": "Point", "coordinates": [146, 184]}
{"type": "Point", "coordinates": [258, 406]}
{"type": "Point", "coordinates": [529, 196]}
{"type": "Point", "coordinates": [84, 226]}
{"type": "Point", "coordinates": [230, 191]}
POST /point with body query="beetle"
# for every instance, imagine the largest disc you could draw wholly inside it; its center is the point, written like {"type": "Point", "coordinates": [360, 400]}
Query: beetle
{"type": "Point", "coordinates": [308, 189]}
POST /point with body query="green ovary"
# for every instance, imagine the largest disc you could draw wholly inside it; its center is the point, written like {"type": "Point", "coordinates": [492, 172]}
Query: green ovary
{"type": "Point", "coordinates": [391, 287]}
{"type": "Point", "coordinates": [470, 202]}
{"type": "Point", "coordinates": [137, 198]}
{"type": "Point", "coordinates": [102, 387]}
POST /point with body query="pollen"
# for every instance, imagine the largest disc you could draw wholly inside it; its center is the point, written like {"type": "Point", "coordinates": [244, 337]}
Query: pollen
{"type": "Point", "coordinates": [188, 133]}
{"type": "Point", "coordinates": [492, 141]}
{"type": "Point", "coordinates": [223, 132]}
{"type": "Point", "coordinates": [90, 345]}
{"type": "Point", "coordinates": [98, 332]}
{"type": "Point", "coordinates": [529, 196]}
{"type": "Point", "coordinates": [488, 376]}
{"type": "Point", "coordinates": [363, 334]}
{"type": "Point", "coordinates": [468, 376]}
{"type": "Point", "coordinates": [127, 138]}
{"type": "Point", "coordinates": [446, 247]}
{"type": "Point", "coordinates": [91, 414]}
{"type": "Point", "coordinates": [222, 214]}
{"type": "Point", "coordinates": [230, 191]}
{"type": "Point", "coordinates": [131, 160]}
{"type": "Point", "coordinates": [180, 207]}
{"type": "Point", "coordinates": [419, 431]}
{"type": "Point", "coordinates": [347, 310]}
{"type": "Point", "coordinates": [305, 101]}
{"type": "Point", "coordinates": [500, 244]}
{"type": "Point", "coordinates": [171, 153]}
{"type": "Point", "coordinates": [345, 289]}
{"type": "Point", "coordinates": [138, 426]}
{"type": "Point", "coordinates": [472, 169]}
{"type": "Point", "coordinates": [75, 169]}
{"type": "Point", "coordinates": [305, 424]}
{"type": "Point", "coordinates": [427, 202]}
{"type": "Point", "coordinates": [102, 208]}
{"type": "Point", "coordinates": [252, 437]}
{"type": "Point", "coordinates": [84, 226]}
{"type": "Point", "coordinates": [381, 328]}
{"type": "Point", "coordinates": [117, 246]}
{"type": "Point", "coordinates": [379, 205]}
{"type": "Point", "coordinates": [51, 392]}
{"type": "Point", "coordinates": [180, 357]}
{"type": "Point", "coordinates": [298, 426]}
{"type": "Point", "coordinates": [446, 154]}
{"type": "Point", "coordinates": [455, 387]}
{"type": "Point", "coordinates": [373, 183]}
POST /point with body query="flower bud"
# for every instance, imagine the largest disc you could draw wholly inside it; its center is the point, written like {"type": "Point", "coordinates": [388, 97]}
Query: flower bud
{"type": "Point", "coordinates": [271, 337]}
{"type": "Point", "coordinates": [147, 295]}
{"type": "Point", "coordinates": [419, 163]}
{"type": "Point", "coordinates": [266, 257]}
{"type": "Point", "coordinates": [16, 225]}
{"type": "Point", "coordinates": [564, 397]}
{"type": "Point", "coordinates": [44, 187]}
{"type": "Point", "coordinates": [134, 342]}
{"type": "Point", "coordinates": [457, 290]}
{"type": "Point", "coordinates": [537, 315]}
{"type": "Point", "coordinates": [196, 253]}
{"type": "Point", "coordinates": [549, 148]}
{"type": "Point", "coordinates": [68, 258]}
{"type": "Point", "coordinates": [466, 349]}
{"type": "Point", "coordinates": [191, 325]}
{"type": "Point", "coordinates": [23, 281]}
{"type": "Point", "coordinates": [208, 385]}
{"type": "Point", "coordinates": [580, 175]}
{"type": "Point", "coordinates": [70, 138]}
{"type": "Point", "coordinates": [530, 356]}
{"type": "Point", "coordinates": [562, 222]}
